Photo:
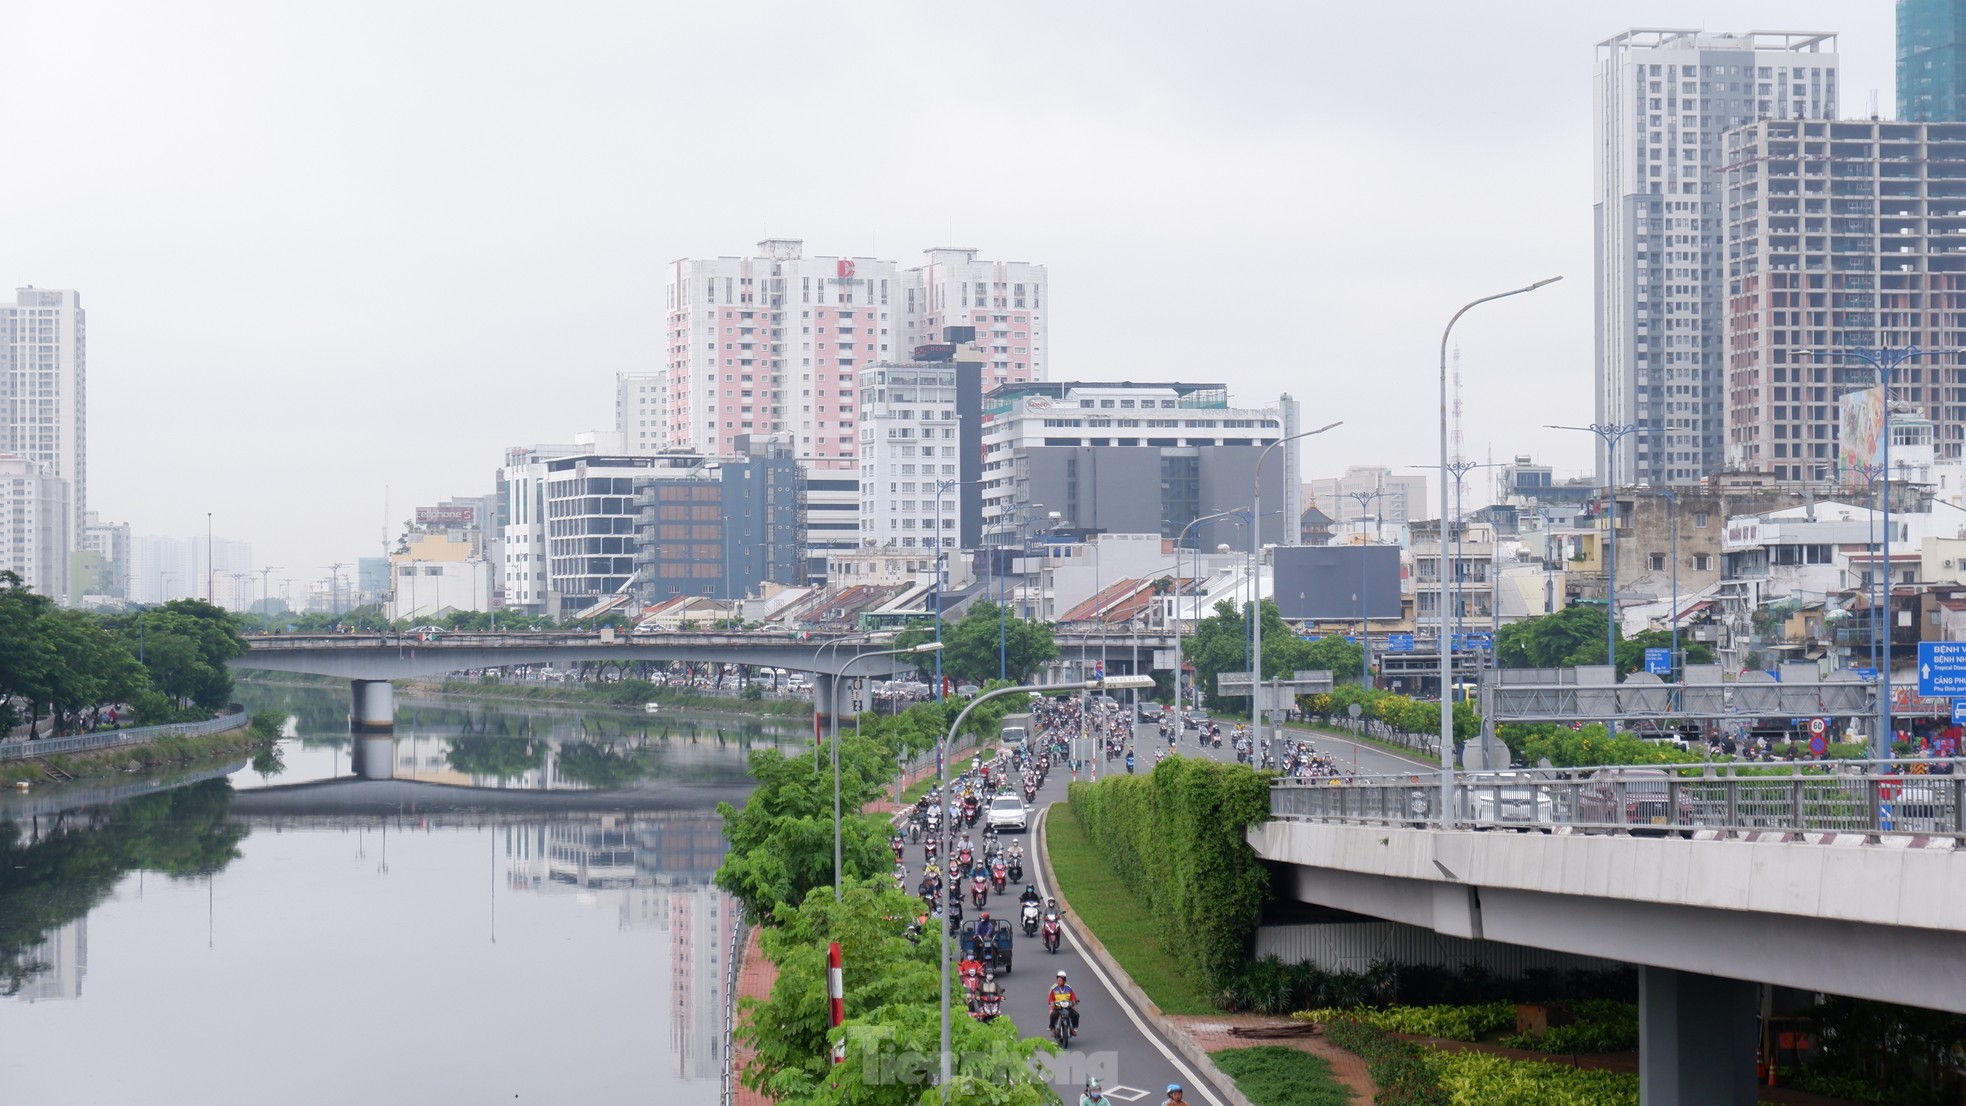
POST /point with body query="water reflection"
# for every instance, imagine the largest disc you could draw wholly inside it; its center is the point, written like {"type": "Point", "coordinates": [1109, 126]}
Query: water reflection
{"type": "Point", "coordinates": [596, 928]}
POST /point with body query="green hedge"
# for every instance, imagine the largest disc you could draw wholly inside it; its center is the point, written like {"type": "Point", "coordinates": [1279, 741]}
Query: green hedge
{"type": "Point", "coordinates": [1175, 836]}
{"type": "Point", "coordinates": [1400, 1068]}
{"type": "Point", "coordinates": [1454, 1023]}
{"type": "Point", "coordinates": [1483, 1079]}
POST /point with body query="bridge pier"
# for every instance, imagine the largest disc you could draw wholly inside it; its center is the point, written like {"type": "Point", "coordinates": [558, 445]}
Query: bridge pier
{"type": "Point", "coordinates": [1695, 1039]}
{"type": "Point", "coordinates": [372, 707]}
{"type": "Point", "coordinates": [372, 756]}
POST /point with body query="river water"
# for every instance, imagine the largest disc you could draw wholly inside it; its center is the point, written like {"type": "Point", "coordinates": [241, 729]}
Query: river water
{"type": "Point", "coordinates": [506, 903]}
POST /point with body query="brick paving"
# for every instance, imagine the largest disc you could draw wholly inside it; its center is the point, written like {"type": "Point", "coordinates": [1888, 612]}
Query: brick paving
{"type": "Point", "coordinates": [1211, 1033]}
{"type": "Point", "coordinates": [755, 976]}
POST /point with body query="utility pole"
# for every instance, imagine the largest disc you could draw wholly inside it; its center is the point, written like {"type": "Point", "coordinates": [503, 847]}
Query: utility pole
{"type": "Point", "coordinates": [265, 605]}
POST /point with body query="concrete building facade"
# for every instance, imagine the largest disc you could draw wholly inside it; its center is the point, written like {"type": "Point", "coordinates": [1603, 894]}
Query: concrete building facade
{"type": "Point", "coordinates": [34, 513]}
{"type": "Point", "coordinates": [921, 452]}
{"type": "Point", "coordinates": [722, 527]}
{"type": "Point", "coordinates": [1401, 497]}
{"type": "Point", "coordinates": [1664, 98]}
{"type": "Point", "coordinates": [1842, 235]}
{"type": "Point", "coordinates": [44, 414]}
{"type": "Point", "coordinates": [1127, 458]}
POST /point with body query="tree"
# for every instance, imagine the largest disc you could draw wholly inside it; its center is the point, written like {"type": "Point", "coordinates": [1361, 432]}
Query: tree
{"type": "Point", "coordinates": [891, 1037]}
{"type": "Point", "coordinates": [184, 645]}
{"type": "Point", "coordinates": [1631, 651]}
{"type": "Point", "coordinates": [970, 647]}
{"type": "Point", "coordinates": [24, 655]}
{"type": "Point", "coordinates": [91, 668]}
{"type": "Point", "coordinates": [1220, 644]}
{"type": "Point", "coordinates": [781, 840]}
{"type": "Point", "coordinates": [1572, 636]}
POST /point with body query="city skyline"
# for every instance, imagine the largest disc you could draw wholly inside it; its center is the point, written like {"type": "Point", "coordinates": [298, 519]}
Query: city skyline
{"type": "Point", "coordinates": [1206, 205]}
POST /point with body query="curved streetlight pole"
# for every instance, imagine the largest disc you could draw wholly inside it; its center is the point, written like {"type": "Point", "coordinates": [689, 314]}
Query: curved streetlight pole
{"type": "Point", "coordinates": [925, 647]}
{"type": "Point", "coordinates": [1446, 662]}
{"type": "Point", "coordinates": [1180, 540]}
{"type": "Point", "coordinates": [948, 745]}
{"type": "Point", "coordinates": [1256, 571]}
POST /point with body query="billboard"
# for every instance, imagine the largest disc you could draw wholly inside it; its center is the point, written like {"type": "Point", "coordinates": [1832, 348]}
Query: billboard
{"type": "Point", "coordinates": [447, 512]}
{"type": "Point", "coordinates": [1336, 582]}
{"type": "Point", "coordinates": [1860, 433]}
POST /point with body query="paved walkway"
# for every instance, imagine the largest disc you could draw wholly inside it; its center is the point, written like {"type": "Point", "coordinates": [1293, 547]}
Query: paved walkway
{"type": "Point", "coordinates": [755, 976]}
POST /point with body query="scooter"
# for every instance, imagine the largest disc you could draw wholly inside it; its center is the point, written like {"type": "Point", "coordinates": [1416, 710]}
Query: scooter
{"type": "Point", "coordinates": [1053, 931]}
{"type": "Point", "coordinates": [1029, 918]}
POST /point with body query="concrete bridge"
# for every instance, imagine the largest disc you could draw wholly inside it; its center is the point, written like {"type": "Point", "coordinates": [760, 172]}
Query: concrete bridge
{"type": "Point", "coordinates": [370, 661]}
{"type": "Point", "coordinates": [1818, 897]}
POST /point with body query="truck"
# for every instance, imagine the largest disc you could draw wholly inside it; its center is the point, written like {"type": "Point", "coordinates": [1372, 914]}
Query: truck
{"type": "Point", "coordinates": [1016, 731]}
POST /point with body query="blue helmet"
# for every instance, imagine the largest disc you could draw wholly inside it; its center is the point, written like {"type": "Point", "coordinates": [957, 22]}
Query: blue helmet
{"type": "Point", "coordinates": [1172, 1087]}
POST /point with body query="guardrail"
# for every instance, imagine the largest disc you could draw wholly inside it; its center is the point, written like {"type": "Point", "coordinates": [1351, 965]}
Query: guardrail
{"type": "Point", "coordinates": [732, 965]}
{"type": "Point", "coordinates": [110, 739]}
{"type": "Point", "coordinates": [1924, 797]}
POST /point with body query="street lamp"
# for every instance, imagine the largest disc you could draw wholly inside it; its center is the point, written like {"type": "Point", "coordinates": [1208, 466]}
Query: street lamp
{"type": "Point", "coordinates": [1022, 527]}
{"type": "Point", "coordinates": [1610, 434]}
{"type": "Point", "coordinates": [1256, 568]}
{"type": "Point", "coordinates": [925, 647]}
{"type": "Point", "coordinates": [1364, 588]}
{"type": "Point", "coordinates": [266, 607]}
{"type": "Point", "coordinates": [1446, 670]}
{"type": "Point", "coordinates": [1114, 683]}
{"type": "Point", "coordinates": [864, 637]}
{"type": "Point", "coordinates": [1179, 541]}
{"type": "Point", "coordinates": [1884, 362]}
{"type": "Point", "coordinates": [940, 488]}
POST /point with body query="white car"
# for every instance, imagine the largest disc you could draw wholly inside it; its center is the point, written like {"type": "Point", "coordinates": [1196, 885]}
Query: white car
{"type": "Point", "coordinates": [1008, 812]}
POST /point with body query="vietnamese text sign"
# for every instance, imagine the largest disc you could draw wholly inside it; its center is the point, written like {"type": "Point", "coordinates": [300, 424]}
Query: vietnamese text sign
{"type": "Point", "coordinates": [1942, 669]}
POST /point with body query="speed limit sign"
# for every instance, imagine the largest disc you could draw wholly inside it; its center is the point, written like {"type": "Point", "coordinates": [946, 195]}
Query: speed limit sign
{"type": "Point", "coordinates": [1818, 726]}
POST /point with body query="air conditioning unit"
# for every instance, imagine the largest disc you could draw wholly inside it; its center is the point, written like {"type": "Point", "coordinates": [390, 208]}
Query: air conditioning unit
{"type": "Point", "coordinates": [1948, 564]}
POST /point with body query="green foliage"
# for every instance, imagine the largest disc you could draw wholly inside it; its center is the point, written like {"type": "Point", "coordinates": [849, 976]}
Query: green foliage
{"type": "Point", "coordinates": [1111, 910]}
{"type": "Point", "coordinates": [1484, 1079]}
{"type": "Point", "coordinates": [1454, 1023]}
{"type": "Point", "coordinates": [1601, 1025]}
{"type": "Point", "coordinates": [781, 840]}
{"type": "Point", "coordinates": [1572, 636]}
{"type": "Point", "coordinates": [1273, 1075]}
{"type": "Point", "coordinates": [1400, 1068]}
{"type": "Point", "coordinates": [495, 757]}
{"type": "Point", "coordinates": [184, 645]}
{"type": "Point", "coordinates": [1220, 643]}
{"type": "Point", "coordinates": [971, 646]}
{"type": "Point", "coordinates": [267, 724]}
{"type": "Point", "coordinates": [1564, 747]}
{"type": "Point", "coordinates": [182, 832]}
{"type": "Point", "coordinates": [892, 996]}
{"type": "Point", "coordinates": [1631, 651]}
{"type": "Point", "coordinates": [1397, 711]}
{"type": "Point", "coordinates": [1175, 836]}
{"type": "Point", "coordinates": [1908, 1053]}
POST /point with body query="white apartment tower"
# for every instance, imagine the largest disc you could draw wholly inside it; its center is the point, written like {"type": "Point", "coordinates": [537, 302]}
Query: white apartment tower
{"type": "Point", "coordinates": [1664, 97]}
{"type": "Point", "coordinates": [639, 412]}
{"type": "Point", "coordinates": [43, 392]}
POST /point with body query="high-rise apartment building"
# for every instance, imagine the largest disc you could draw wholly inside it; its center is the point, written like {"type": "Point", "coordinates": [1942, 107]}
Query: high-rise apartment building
{"type": "Point", "coordinates": [1931, 61]}
{"type": "Point", "coordinates": [773, 344]}
{"type": "Point", "coordinates": [1664, 100]}
{"type": "Point", "coordinates": [638, 412]}
{"type": "Point", "coordinates": [1843, 235]}
{"type": "Point", "coordinates": [43, 392]}
{"type": "Point", "coordinates": [1371, 493]}
{"type": "Point", "coordinates": [921, 452]}
{"type": "Point", "coordinates": [33, 516]}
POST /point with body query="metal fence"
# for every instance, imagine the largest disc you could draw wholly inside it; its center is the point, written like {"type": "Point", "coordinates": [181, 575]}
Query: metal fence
{"type": "Point", "coordinates": [732, 965]}
{"type": "Point", "coordinates": [110, 739]}
{"type": "Point", "coordinates": [1863, 797]}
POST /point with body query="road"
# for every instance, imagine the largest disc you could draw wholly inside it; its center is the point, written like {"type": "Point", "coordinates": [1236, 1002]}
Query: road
{"type": "Point", "coordinates": [1116, 1042]}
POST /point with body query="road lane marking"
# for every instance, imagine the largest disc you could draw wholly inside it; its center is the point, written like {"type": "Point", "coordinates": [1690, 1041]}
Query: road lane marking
{"type": "Point", "coordinates": [1119, 997]}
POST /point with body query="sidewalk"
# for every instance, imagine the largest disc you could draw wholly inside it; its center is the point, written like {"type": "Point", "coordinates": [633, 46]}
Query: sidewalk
{"type": "Point", "coordinates": [755, 977]}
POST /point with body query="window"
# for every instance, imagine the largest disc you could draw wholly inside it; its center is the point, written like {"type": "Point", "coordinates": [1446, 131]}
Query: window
{"type": "Point", "coordinates": [1658, 562]}
{"type": "Point", "coordinates": [1699, 520]}
{"type": "Point", "coordinates": [1702, 562]}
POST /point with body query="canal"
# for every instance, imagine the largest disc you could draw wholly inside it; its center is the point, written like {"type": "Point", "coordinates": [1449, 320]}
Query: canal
{"type": "Point", "coordinates": [506, 903]}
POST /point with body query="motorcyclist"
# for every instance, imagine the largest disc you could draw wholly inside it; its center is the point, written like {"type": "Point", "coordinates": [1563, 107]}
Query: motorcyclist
{"type": "Point", "coordinates": [1062, 997]}
{"type": "Point", "coordinates": [1094, 1095]}
{"type": "Point", "coordinates": [1174, 1096]}
{"type": "Point", "coordinates": [1030, 894]}
{"type": "Point", "coordinates": [986, 927]}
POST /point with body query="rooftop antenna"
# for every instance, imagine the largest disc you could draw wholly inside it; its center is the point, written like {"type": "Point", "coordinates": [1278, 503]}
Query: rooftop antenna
{"type": "Point", "coordinates": [1873, 105]}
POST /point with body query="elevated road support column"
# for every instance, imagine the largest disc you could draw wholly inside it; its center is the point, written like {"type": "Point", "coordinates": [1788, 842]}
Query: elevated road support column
{"type": "Point", "coordinates": [1696, 1038]}
{"type": "Point", "coordinates": [372, 707]}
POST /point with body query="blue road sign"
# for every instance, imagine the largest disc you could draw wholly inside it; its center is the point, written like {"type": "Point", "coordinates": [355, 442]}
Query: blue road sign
{"type": "Point", "coordinates": [1399, 643]}
{"type": "Point", "coordinates": [1866, 673]}
{"type": "Point", "coordinates": [1958, 711]}
{"type": "Point", "coordinates": [1942, 669]}
{"type": "Point", "coordinates": [1658, 662]}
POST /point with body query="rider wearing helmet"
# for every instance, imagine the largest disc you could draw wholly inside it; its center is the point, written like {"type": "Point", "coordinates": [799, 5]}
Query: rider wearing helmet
{"type": "Point", "coordinates": [1062, 995]}
{"type": "Point", "coordinates": [985, 927]}
{"type": "Point", "coordinates": [1093, 1095]}
{"type": "Point", "coordinates": [1030, 894]}
{"type": "Point", "coordinates": [1174, 1095]}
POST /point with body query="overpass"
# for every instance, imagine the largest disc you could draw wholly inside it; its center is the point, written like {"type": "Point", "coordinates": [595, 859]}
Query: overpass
{"type": "Point", "coordinates": [1850, 885]}
{"type": "Point", "coordinates": [370, 661]}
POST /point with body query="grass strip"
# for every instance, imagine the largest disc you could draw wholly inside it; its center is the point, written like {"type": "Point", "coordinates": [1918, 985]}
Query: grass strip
{"type": "Point", "coordinates": [1106, 907]}
{"type": "Point", "coordinates": [1272, 1075]}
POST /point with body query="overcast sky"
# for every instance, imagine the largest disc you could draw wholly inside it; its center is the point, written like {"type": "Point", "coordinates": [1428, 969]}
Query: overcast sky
{"type": "Point", "coordinates": [327, 249]}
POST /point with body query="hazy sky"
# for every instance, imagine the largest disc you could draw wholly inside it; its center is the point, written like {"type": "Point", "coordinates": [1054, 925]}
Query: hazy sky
{"type": "Point", "coordinates": [331, 248]}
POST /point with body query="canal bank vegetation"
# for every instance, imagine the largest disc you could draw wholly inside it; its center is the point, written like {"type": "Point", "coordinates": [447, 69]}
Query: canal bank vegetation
{"type": "Point", "coordinates": [256, 739]}
{"type": "Point", "coordinates": [70, 671]}
{"type": "Point", "coordinates": [780, 868]}
{"type": "Point", "coordinates": [1274, 1075]}
{"type": "Point", "coordinates": [45, 884]}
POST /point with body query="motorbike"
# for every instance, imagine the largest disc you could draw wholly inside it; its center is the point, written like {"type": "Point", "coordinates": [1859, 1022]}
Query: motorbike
{"type": "Point", "coordinates": [915, 831]}
{"type": "Point", "coordinates": [928, 848]}
{"type": "Point", "coordinates": [1061, 1024]}
{"type": "Point", "coordinates": [1053, 931]}
{"type": "Point", "coordinates": [1030, 793]}
{"type": "Point", "coordinates": [997, 877]}
{"type": "Point", "coordinates": [988, 1006]}
{"type": "Point", "coordinates": [1029, 918]}
{"type": "Point", "coordinates": [1016, 870]}
{"type": "Point", "coordinates": [964, 857]}
{"type": "Point", "coordinates": [979, 892]}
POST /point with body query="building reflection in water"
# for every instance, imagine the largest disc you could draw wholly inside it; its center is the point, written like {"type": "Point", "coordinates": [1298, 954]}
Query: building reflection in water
{"type": "Point", "coordinates": [656, 872]}
{"type": "Point", "coordinates": [61, 961]}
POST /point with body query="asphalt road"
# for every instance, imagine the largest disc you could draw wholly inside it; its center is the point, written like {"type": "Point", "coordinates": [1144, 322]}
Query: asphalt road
{"type": "Point", "coordinates": [1116, 1043]}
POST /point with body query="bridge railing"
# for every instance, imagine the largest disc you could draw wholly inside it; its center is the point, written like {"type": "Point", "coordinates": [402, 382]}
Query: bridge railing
{"type": "Point", "coordinates": [110, 739]}
{"type": "Point", "coordinates": [1870, 798]}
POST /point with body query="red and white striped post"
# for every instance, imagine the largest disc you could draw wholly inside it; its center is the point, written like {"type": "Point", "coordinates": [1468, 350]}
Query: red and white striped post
{"type": "Point", "coordinates": [836, 994]}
